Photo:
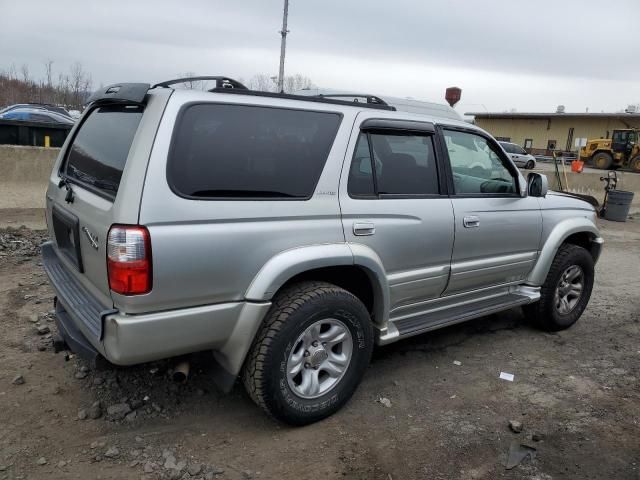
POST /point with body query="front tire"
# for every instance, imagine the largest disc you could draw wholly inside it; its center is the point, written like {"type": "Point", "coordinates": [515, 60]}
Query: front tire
{"type": "Point", "coordinates": [634, 164]}
{"type": "Point", "coordinates": [602, 160]}
{"type": "Point", "coordinates": [310, 354]}
{"type": "Point", "coordinates": [566, 290]}
{"type": "Point", "coordinates": [530, 164]}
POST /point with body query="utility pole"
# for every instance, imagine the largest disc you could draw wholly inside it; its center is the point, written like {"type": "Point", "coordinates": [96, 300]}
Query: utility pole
{"type": "Point", "coordinates": [283, 46]}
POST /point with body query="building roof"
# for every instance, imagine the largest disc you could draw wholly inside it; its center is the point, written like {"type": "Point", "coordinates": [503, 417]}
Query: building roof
{"type": "Point", "coordinates": [522, 115]}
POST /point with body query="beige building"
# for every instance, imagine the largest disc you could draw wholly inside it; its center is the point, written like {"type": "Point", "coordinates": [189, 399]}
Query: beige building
{"type": "Point", "coordinates": [541, 133]}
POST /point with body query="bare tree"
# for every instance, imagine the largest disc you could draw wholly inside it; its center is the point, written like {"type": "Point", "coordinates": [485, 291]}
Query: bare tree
{"type": "Point", "coordinates": [24, 71]}
{"type": "Point", "coordinates": [292, 83]}
{"type": "Point", "coordinates": [48, 68]}
{"type": "Point", "coordinates": [191, 84]}
{"type": "Point", "coordinates": [73, 88]}
{"type": "Point", "coordinates": [262, 83]}
{"type": "Point", "coordinates": [296, 82]}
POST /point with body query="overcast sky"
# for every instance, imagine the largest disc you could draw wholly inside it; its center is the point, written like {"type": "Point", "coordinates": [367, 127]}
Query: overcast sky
{"type": "Point", "coordinates": [531, 55]}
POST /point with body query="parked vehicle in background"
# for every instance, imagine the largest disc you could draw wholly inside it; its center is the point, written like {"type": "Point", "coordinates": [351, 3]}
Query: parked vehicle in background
{"type": "Point", "coordinates": [36, 115]}
{"type": "Point", "coordinates": [519, 155]}
{"type": "Point", "coordinates": [288, 234]}
{"type": "Point", "coordinates": [40, 106]}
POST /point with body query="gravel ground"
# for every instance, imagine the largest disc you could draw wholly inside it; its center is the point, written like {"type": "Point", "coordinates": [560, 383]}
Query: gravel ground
{"type": "Point", "coordinates": [429, 407]}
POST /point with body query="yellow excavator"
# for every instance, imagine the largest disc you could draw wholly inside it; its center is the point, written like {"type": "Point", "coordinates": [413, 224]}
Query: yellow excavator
{"type": "Point", "coordinates": [621, 150]}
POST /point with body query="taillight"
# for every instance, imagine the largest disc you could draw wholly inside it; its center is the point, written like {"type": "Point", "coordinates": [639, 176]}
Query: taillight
{"type": "Point", "coordinates": [129, 260]}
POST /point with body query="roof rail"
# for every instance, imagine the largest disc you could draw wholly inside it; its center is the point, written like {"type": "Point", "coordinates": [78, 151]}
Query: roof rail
{"type": "Point", "coordinates": [221, 82]}
{"type": "Point", "coordinates": [368, 98]}
{"type": "Point", "coordinates": [307, 98]}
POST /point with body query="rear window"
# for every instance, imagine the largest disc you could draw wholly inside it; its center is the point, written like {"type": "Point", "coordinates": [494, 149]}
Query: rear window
{"type": "Point", "coordinates": [237, 151]}
{"type": "Point", "coordinates": [100, 148]}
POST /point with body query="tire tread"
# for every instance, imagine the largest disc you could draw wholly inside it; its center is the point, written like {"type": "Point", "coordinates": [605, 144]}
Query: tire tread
{"type": "Point", "coordinates": [285, 304]}
{"type": "Point", "coordinates": [538, 312]}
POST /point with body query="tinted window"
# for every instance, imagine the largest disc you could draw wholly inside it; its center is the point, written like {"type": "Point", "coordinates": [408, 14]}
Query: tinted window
{"type": "Point", "coordinates": [39, 117]}
{"type": "Point", "coordinates": [404, 165]}
{"type": "Point", "coordinates": [508, 147]}
{"type": "Point", "coordinates": [101, 146]}
{"type": "Point", "coordinates": [477, 167]}
{"type": "Point", "coordinates": [249, 151]}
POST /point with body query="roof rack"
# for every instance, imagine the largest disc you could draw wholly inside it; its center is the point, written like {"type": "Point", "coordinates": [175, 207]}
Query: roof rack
{"type": "Point", "coordinates": [368, 98]}
{"type": "Point", "coordinates": [221, 82]}
{"type": "Point", "coordinates": [135, 93]}
{"type": "Point", "coordinates": [311, 98]}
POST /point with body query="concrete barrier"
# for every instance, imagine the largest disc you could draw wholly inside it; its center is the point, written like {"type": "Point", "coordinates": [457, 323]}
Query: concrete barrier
{"type": "Point", "coordinates": [24, 173]}
{"type": "Point", "coordinates": [589, 183]}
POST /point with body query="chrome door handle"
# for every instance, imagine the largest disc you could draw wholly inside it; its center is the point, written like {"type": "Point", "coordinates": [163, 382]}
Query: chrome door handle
{"type": "Point", "coordinates": [364, 228]}
{"type": "Point", "coordinates": [471, 222]}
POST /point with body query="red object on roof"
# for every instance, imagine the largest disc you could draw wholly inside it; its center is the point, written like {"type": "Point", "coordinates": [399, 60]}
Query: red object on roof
{"type": "Point", "coordinates": [453, 95]}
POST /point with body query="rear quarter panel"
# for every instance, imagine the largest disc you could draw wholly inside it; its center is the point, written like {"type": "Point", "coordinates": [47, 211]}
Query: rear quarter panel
{"type": "Point", "coordinates": [209, 251]}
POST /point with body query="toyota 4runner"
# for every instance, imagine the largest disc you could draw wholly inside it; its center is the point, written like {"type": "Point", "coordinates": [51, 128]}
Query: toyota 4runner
{"type": "Point", "coordinates": [287, 234]}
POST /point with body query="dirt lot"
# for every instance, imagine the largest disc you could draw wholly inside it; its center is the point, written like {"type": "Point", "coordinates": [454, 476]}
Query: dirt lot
{"type": "Point", "coordinates": [576, 394]}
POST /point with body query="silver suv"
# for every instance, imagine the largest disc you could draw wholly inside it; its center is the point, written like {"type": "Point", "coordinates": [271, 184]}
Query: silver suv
{"type": "Point", "coordinates": [288, 234]}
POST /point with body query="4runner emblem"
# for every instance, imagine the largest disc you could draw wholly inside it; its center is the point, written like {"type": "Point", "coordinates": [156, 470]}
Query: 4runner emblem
{"type": "Point", "coordinates": [93, 239]}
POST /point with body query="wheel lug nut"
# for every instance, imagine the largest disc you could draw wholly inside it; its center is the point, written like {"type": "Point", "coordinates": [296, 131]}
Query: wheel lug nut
{"type": "Point", "coordinates": [315, 343]}
{"type": "Point", "coordinates": [316, 367]}
{"type": "Point", "coordinates": [306, 353]}
{"type": "Point", "coordinates": [307, 365]}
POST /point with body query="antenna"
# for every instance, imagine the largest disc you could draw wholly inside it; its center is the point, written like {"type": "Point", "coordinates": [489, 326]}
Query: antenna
{"type": "Point", "coordinates": [283, 46]}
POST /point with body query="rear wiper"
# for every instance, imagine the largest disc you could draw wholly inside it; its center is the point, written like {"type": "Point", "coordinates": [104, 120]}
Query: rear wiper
{"type": "Point", "coordinates": [64, 182]}
{"type": "Point", "coordinates": [105, 184]}
{"type": "Point", "coordinates": [241, 193]}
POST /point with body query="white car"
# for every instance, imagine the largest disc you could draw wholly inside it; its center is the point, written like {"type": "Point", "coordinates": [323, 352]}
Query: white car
{"type": "Point", "coordinates": [519, 155]}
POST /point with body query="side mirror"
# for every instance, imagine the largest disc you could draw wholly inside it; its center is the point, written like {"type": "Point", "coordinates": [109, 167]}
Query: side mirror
{"type": "Point", "coordinates": [537, 185]}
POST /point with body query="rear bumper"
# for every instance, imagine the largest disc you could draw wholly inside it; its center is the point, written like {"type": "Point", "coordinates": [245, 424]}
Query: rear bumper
{"type": "Point", "coordinates": [92, 329]}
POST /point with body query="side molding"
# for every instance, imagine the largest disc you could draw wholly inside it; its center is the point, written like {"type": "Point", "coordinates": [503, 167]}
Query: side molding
{"type": "Point", "coordinates": [558, 235]}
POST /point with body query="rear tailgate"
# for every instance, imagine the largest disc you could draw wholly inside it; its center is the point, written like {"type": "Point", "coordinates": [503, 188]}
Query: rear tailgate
{"type": "Point", "coordinates": [97, 182]}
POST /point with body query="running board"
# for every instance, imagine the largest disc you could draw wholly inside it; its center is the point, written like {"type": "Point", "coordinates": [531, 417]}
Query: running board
{"type": "Point", "coordinates": [439, 317]}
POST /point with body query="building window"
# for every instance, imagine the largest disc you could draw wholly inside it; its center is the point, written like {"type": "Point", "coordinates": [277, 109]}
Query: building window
{"type": "Point", "coordinates": [528, 143]}
{"type": "Point", "coordinates": [503, 139]}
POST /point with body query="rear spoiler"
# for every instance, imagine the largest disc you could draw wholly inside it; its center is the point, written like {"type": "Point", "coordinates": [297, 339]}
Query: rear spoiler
{"type": "Point", "coordinates": [135, 92]}
{"type": "Point", "coordinates": [121, 93]}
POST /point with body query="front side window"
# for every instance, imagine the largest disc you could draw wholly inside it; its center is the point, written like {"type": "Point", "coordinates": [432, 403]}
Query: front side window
{"type": "Point", "coordinates": [477, 168]}
{"type": "Point", "coordinates": [393, 164]}
{"type": "Point", "coordinates": [507, 147]}
{"type": "Point", "coordinates": [240, 151]}
{"type": "Point", "coordinates": [620, 137]}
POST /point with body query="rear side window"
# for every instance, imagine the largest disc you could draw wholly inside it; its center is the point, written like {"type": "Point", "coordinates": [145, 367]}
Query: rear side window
{"type": "Point", "coordinates": [404, 164]}
{"type": "Point", "coordinates": [238, 151]}
{"type": "Point", "coordinates": [100, 148]}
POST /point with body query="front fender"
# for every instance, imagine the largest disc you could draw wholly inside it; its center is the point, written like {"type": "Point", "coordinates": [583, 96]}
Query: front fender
{"type": "Point", "coordinates": [556, 238]}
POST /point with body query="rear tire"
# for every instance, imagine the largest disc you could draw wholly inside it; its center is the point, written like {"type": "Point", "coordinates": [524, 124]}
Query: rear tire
{"type": "Point", "coordinates": [634, 164]}
{"type": "Point", "coordinates": [602, 160]}
{"type": "Point", "coordinates": [310, 354]}
{"type": "Point", "coordinates": [530, 164]}
{"type": "Point", "coordinates": [566, 290]}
